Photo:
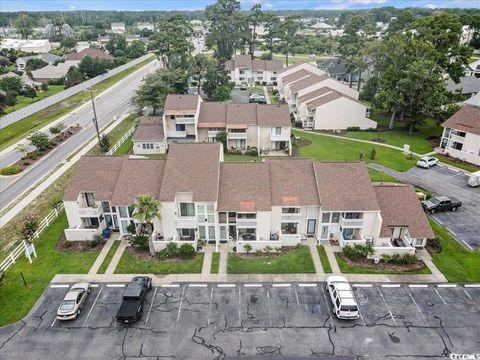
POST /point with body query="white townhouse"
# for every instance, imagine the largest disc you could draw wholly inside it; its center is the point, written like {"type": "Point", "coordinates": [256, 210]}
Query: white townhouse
{"type": "Point", "coordinates": [187, 118]}
{"type": "Point", "coordinates": [243, 69]}
{"type": "Point", "coordinates": [145, 26]}
{"type": "Point", "coordinates": [21, 62]}
{"type": "Point", "coordinates": [28, 46]}
{"type": "Point", "coordinates": [461, 135]}
{"type": "Point", "coordinates": [118, 28]}
{"type": "Point", "coordinates": [270, 203]}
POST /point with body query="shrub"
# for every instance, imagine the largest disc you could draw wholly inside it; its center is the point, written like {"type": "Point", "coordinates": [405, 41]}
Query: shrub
{"type": "Point", "coordinates": [67, 243]}
{"type": "Point", "coordinates": [298, 124]}
{"type": "Point", "coordinates": [258, 252]}
{"type": "Point", "coordinates": [247, 248]}
{"type": "Point", "coordinates": [39, 140]}
{"type": "Point", "coordinates": [10, 170]}
{"type": "Point", "coordinates": [252, 152]}
{"type": "Point", "coordinates": [30, 225]}
{"type": "Point", "coordinates": [353, 128]}
{"type": "Point", "coordinates": [234, 152]}
{"type": "Point", "coordinates": [171, 249]}
{"type": "Point", "coordinates": [186, 251]}
{"type": "Point", "coordinates": [386, 257]}
{"type": "Point", "coordinates": [373, 154]}
{"type": "Point", "coordinates": [98, 240]}
{"type": "Point", "coordinates": [409, 259]}
{"type": "Point", "coordinates": [268, 249]}
{"type": "Point", "coordinates": [434, 243]}
{"type": "Point", "coordinates": [131, 228]}
{"type": "Point", "coordinates": [104, 143]}
{"type": "Point", "coordinates": [162, 254]}
{"type": "Point", "coordinates": [57, 129]}
{"type": "Point", "coordinates": [26, 163]}
{"type": "Point", "coordinates": [356, 251]}
{"type": "Point", "coordinates": [140, 241]}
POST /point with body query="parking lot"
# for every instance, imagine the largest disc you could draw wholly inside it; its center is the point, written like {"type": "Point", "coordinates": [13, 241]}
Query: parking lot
{"type": "Point", "coordinates": [223, 321]}
{"type": "Point", "coordinates": [464, 224]}
{"type": "Point", "coordinates": [239, 96]}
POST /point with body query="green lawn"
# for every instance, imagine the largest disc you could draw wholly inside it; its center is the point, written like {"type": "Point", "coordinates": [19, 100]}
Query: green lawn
{"type": "Point", "coordinates": [273, 99]}
{"type": "Point", "coordinates": [462, 165]}
{"type": "Point", "coordinates": [23, 128]}
{"type": "Point", "coordinates": [117, 133]}
{"type": "Point", "coordinates": [215, 263]}
{"type": "Point", "coordinates": [126, 147]}
{"type": "Point", "coordinates": [324, 259]}
{"type": "Point", "coordinates": [347, 269]}
{"type": "Point", "coordinates": [328, 148]}
{"type": "Point", "coordinates": [129, 265]}
{"type": "Point", "coordinates": [454, 261]}
{"type": "Point", "coordinates": [255, 89]}
{"type": "Point", "coordinates": [23, 101]}
{"type": "Point", "coordinates": [380, 176]}
{"type": "Point", "coordinates": [293, 261]}
{"type": "Point", "coordinates": [15, 299]}
{"type": "Point", "coordinates": [157, 156]}
{"type": "Point", "coordinates": [109, 257]}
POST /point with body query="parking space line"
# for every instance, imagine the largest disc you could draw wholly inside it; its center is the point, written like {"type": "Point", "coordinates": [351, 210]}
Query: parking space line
{"type": "Point", "coordinates": [94, 285]}
{"type": "Point", "coordinates": [115, 285]}
{"type": "Point", "coordinates": [298, 302]}
{"type": "Point", "coordinates": [93, 305]}
{"type": "Point", "coordinates": [180, 306]}
{"type": "Point", "coordinates": [385, 302]}
{"type": "Point", "coordinates": [307, 285]}
{"type": "Point", "coordinates": [151, 305]}
{"type": "Point", "coordinates": [239, 306]}
{"type": "Point", "coordinates": [170, 285]}
{"type": "Point", "coordinates": [441, 298]}
{"type": "Point", "coordinates": [226, 285]}
{"type": "Point", "coordinates": [462, 240]}
{"type": "Point", "coordinates": [252, 285]}
{"type": "Point", "coordinates": [330, 309]}
{"type": "Point", "coordinates": [269, 308]}
{"type": "Point", "coordinates": [447, 285]}
{"type": "Point", "coordinates": [452, 232]}
{"type": "Point", "coordinates": [363, 285]}
{"type": "Point", "coordinates": [416, 305]}
{"type": "Point", "coordinates": [471, 285]}
{"type": "Point", "coordinates": [197, 285]}
{"type": "Point", "coordinates": [466, 293]}
{"type": "Point", "coordinates": [440, 222]}
{"type": "Point", "coordinates": [59, 286]}
{"type": "Point", "coordinates": [53, 323]}
{"type": "Point", "coordinates": [281, 285]}
{"type": "Point", "coordinates": [210, 306]}
{"type": "Point", "coordinates": [390, 285]}
{"type": "Point", "coordinates": [418, 285]}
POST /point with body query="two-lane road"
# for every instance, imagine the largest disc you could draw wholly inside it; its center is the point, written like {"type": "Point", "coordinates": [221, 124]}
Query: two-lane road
{"type": "Point", "coordinates": [112, 102]}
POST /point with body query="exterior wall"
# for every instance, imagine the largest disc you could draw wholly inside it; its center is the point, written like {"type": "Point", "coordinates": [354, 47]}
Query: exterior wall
{"type": "Point", "coordinates": [470, 150]}
{"type": "Point", "coordinates": [252, 136]}
{"type": "Point", "coordinates": [72, 212]}
{"type": "Point", "coordinates": [168, 212]}
{"type": "Point", "coordinates": [258, 245]}
{"type": "Point", "coordinates": [263, 225]}
{"type": "Point", "coordinates": [342, 113]}
{"type": "Point", "coordinates": [251, 76]}
{"type": "Point", "coordinates": [202, 135]}
{"type": "Point", "coordinates": [372, 222]}
{"type": "Point", "coordinates": [159, 147]}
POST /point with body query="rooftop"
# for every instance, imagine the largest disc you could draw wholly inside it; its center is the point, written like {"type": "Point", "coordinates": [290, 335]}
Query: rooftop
{"type": "Point", "coordinates": [466, 119]}
{"type": "Point", "coordinates": [176, 102]}
{"type": "Point", "coordinates": [245, 61]}
{"type": "Point", "coordinates": [150, 128]}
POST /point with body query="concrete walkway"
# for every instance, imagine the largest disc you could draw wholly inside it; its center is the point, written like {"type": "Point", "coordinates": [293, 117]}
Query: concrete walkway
{"type": "Point", "coordinates": [427, 259]}
{"type": "Point", "coordinates": [312, 245]}
{"type": "Point", "coordinates": [222, 266]}
{"type": "Point", "coordinates": [116, 258]}
{"type": "Point", "coordinates": [103, 254]}
{"type": "Point", "coordinates": [267, 97]}
{"type": "Point", "coordinates": [207, 259]}
{"type": "Point", "coordinates": [330, 250]}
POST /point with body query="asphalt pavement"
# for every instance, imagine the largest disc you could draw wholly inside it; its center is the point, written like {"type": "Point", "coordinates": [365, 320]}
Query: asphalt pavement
{"type": "Point", "coordinates": [253, 321]}
{"type": "Point", "coordinates": [112, 103]}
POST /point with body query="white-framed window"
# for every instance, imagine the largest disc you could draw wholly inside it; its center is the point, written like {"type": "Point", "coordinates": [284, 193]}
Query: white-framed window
{"type": "Point", "coordinates": [187, 209]}
{"type": "Point", "coordinates": [290, 228]}
{"type": "Point", "coordinates": [291, 210]}
{"type": "Point", "coordinates": [278, 130]}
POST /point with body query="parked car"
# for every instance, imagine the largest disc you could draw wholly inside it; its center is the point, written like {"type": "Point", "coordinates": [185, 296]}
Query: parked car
{"type": "Point", "coordinates": [341, 294]}
{"type": "Point", "coordinates": [243, 86]}
{"type": "Point", "coordinates": [131, 309]}
{"type": "Point", "coordinates": [440, 203]}
{"type": "Point", "coordinates": [427, 162]}
{"type": "Point", "coordinates": [73, 301]}
{"type": "Point", "coordinates": [474, 179]}
{"type": "Point", "coordinates": [257, 98]}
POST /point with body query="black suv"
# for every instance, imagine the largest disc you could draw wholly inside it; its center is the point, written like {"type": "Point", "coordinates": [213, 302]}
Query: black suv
{"type": "Point", "coordinates": [134, 297]}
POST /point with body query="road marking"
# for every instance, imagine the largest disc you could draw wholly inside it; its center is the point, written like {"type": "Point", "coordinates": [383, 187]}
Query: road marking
{"type": "Point", "coordinates": [441, 223]}
{"type": "Point", "coordinates": [446, 285]}
{"type": "Point", "coordinates": [441, 298]}
{"type": "Point", "coordinates": [418, 285]}
{"type": "Point", "coordinates": [281, 285]}
{"type": "Point", "coordinates": [94, 285]}
{"type": "Point", "coordinates": [454, 170]}
{"type": "Point", "coordinates": [53, 323]}
{"type": "Point", "coordinates": [210, 307]}
{"type": "Point", "coordinates": [115, 285]}
{"type": "Point", "coordinates": [452, 232]}
{"type": "Point", "coordinates": [151, 305]}
{"type": "Point", "coordinates": [226, 285]}
{"type": "Point", "coordinates": [363, 285]}
{"type": "Point", "coordinates": [269, 308]}
{"type": "Point", "coordinates": [170, 286]}
{"type": "Point", "coordinates": [93, 305]}
{"type": "Point", "coordinates": [252, 285]}
{"type": "Point", "coordinates": [307, 285]}
{"type": "Point", "coordinates": [466, 293]}
{"type": "Point", "coordinates": [463, 242]}
{"type": "Point", "coordinates": [59, 286]}
{"type": "Point", "coordinates": [197, 285]}
{"type": "Point", "coordinates": [326, 303]}
{"type": "Point", "coordinates": [180, 307]}
{"type": "Point", "coordinates": [239, 306]}
{"type": "Point", "coordinates": [471, 285]}
{"type": "Point", "coordinates": [391, 285]}
{"type": "Point", "coordinates": [388, 308]}
{"type": "Point", "coordinates": [416, 305]}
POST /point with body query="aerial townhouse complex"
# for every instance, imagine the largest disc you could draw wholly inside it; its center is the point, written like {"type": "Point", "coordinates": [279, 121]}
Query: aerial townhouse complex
{"type": "Point", "coordinates": [243, 69]}
{"type": "Point", "coordinates": [268, 203]}
{"type": "Point", "coordinates": [321, 102]}
{"type": "Point", "coordinates": [187, 118]}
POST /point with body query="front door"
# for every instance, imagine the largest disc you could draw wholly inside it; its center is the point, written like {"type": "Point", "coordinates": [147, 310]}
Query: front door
{"type": "Point", "coordinates": [311, 225]}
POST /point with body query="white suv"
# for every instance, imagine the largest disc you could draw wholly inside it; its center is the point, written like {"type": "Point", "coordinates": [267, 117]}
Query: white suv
{"type": "Point", "coordinates": [341, 294]}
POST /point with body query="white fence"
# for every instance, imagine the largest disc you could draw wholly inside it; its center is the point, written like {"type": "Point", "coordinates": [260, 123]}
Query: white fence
{"type": "Point", "coordinates": [20, 249]}
{"type": "Point", "coordinates": [121, 141]}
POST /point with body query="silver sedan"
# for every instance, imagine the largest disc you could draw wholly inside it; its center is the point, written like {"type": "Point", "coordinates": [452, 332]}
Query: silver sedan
{"type": "Point", "coordinates": [73, 301]}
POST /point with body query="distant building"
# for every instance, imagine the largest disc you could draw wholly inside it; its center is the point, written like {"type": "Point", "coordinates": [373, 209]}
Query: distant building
{"type": "Point", "coordinates": [145, 26]}
{"type": "Point", "coordinates": [8, 32]}
{"type": "Point", "coordinates": [118, 28]}
{"type": "Point", "coordinates": [28, 46]}
{"type": "Point", "coordinates": [243, 69]}
{"type": "Point", "coordinates": [468, 85]}
{"type": "Point", "coordinates": [49, 31]}
{"type": "Point", "coordinates": [50, 58]}
{"type": "Point", "coordinates": [52, 72]}
{"type": "Point", "coordinates": [94, 53]}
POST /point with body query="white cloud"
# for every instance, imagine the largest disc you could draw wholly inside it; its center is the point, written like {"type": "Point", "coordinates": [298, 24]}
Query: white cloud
{"type": "Point", "coordinates": [265, 4]}
{"type": "Point", "coordinates": [431, 6]}
{"type": "Point", "coordinates": [347, 4]}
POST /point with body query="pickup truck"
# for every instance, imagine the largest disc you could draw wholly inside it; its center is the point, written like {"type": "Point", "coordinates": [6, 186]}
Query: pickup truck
{"type": "Point", "coordinates": [134, 297]}
{"type": "Point", "coordinates": [440, 203]}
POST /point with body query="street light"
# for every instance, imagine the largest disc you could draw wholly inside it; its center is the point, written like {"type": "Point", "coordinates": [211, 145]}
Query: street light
{"type": "Point", "coordinates": [95, 121]}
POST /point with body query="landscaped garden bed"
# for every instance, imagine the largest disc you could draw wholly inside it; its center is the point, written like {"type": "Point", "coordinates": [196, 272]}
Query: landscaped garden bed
{"type": "Point", "coordinates": [382, 266]}
{"type": "Point", "coordinates": [64, 245]}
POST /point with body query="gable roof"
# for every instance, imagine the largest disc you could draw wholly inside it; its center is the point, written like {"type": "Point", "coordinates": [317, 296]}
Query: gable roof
{"type": "Point", "coordinates": [332, 66]}
{"type": "Point", "coordinates": [314, 94]}
{"type": "Point", "coordinates": [306, 82]}
{"type": "Point", "coordinates": [180, 102]}
{"type": "Point", "coordinates": [53, 71]}
{"type": "Point", "coordinates": [466, 119]}
{"type": "Point", "coordinates": [192, 168]}
{"type": "Point", "coordinates": [297, 75]}
{"type": "Point", "coordinates": [400, 207]}
{"type": "Point", "coordinates": [50, 58]}
{"type": "Point", "coordinates": [245, 61]}
{"type": "Point", "coordinates": [329, 97]}
{"type": "Point", "coordinates": [94, 53]}
{"type": "Point", "coordinates": [467, 85]}
{"type": "Point", "coordinates": [345, 187]}
{"type": "Point", "coordinates": [150, 128]}
{"type": "Point", "coordinates": [291, 66]}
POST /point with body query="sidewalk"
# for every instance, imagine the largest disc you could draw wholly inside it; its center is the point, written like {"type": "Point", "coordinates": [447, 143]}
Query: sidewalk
{"type": "Point", "coordinates": [116, 258]}
{"type": "Point", "coordinates": [312, 245]}
{"type": "Point", "coordinates": [207, 259]}
{"type": "Point", "coordinates": [222, 267]}
{"type": "Point", "coordinates": [330, 251]}
{"type": "Point", "coordinates": [267, 97]}
{"type": "Point", "coordinates": [103, 254]}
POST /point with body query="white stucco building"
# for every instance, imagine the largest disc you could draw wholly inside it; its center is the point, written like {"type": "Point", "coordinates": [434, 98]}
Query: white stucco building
{"type": "Point", "coordinates": [28, 46]}
{"type": "Point", "coordinates": [243, 69]}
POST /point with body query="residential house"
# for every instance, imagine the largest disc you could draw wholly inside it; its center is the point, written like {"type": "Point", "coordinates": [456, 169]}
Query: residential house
{"type": "Point", "coordinates": [335, 68]}
{"type": "Point", "coordinates": [21, 62]}
{"type": "Point", "coordinates": [53, 73]}
{"type": "Point", "coordinates": [149, 137]}
{"type": "Point", "coordinates": [93, 53]}
{"type": "Point", "coordinates": [243, 69]}
{"type": "Point", "coordinates": [271, 203]}
{"type": "Point", "coordinates": [468, 86]}
{"type": "Point", "coordinates": [24, 78]}
{"type": "Point", "coordinates": [118, 28]}
{"type": "Point", "coordinates": [473, 69]}
{"type": "Point", "coordinates": [461, 135]}
{"type": "Point", "coordinates": [145, 26]}
{"type": "Point", "coordinates": [28, 46]}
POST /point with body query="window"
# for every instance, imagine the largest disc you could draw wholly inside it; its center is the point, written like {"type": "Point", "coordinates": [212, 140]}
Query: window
{"type": "Point", "coordinates": [232, 217]}
{"type": "Point", "coordinates": [291, 210]}
{"type": "Point", "coordinates": [123, 211]}
{"type": "Point", "coordinates": [222, 217]}
{"type": "Point", "coordinates": [242, 72]}
{"type": "Point", "coordinates": [187, 209]}
{"type": "Point", "coordinates": [352, 215]}
{"type": "Point", "coordinates": [247, 215]}
{"type": "Point", "coordinates": [326, 217]}
{"type": "Point", "coordinates": [211, 218]}
{"type": "Point", "coordinates": [131, 209]}
{"type": "Point", "coordinates": [180, 127]}
{"type": "Point", "coordinates": [201, 232]}
{"type": "Point", "coordinates": [210, 209]}
{"type": "Point", "coordinates": [290, 228]}
{"type": "Point", "coordinates": [187, 234]}
{"type": "Point", "coordinates": [90, 199]}
{"type": "Point", "coordinates": [348, 234]}
{"type": "Point", "coordinates": [211, 232]}
{"type": "Point", "coordinates": [335, 217]}
{"type": "Point", "coordinates": [201, 209]}
{"type": "Point", "coordinates": [106, 206]}
{"type": "Point", "coordinates": [223, 232]}
{"type": "Point", "coordinates": [418, 242]}
{"type": "Point", "coordinates": [278, 131]}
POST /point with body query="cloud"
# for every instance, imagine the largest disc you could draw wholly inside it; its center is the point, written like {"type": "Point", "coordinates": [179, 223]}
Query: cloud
{"type": "Point", "coordinates": [265, 4]}
{"type": "Point", "coordinates": [347, 4]}
{"type": "Point", "coordinates": [431, 6]}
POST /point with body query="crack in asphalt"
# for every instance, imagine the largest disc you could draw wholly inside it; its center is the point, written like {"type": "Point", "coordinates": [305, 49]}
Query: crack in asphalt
{"type": "Point", "coordinates": [14, 334]}
{"type": "Point", "coordinates": [41, 319]}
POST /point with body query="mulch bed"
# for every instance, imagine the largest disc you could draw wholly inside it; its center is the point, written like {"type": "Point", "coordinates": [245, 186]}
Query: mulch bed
{"type": "Point", "coordinates": [57, 140]}
{"type": "Point", "coordinates": [76, 246]}
{"type": "Point", "coordinates": [298, 145]}
{"type": "Point", "coordinates": [145, 255]}
{"type": "Point", "coordinates": [433, 250]}
{"type": "Point", "coordinates": [382, 265]}
{"type": "Point", "coordinates": [253, 255]}
{"type": "Point", "coordinates": [458, 161]}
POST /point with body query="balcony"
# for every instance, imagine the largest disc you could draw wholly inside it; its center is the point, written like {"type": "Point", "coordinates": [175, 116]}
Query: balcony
{"type": "Point", "coordinates": [213, 134]}
{"type": "Point", "coordinates": [280, 137]}
{"type": "Point", "coordinates": [246, 223]}
{"type": "Point", "coordinates": [186, 223]}
{"type": "Point", "coordinates": [176, 134]}
{"type": "Point", "coordinates": [184, 120]}
{"type": "Point", "coordinates": [237, 136]}
{"type": "Point", "coordinates": [351, 223]}
{"type": "Point", "coordinates": [83, 232]}
{"type": "Point", "coordinates": [289, 217]}
{"type": "Point", "coordinates": [92, 211]}
{"type": "Point", "coordinates": [456, 138]}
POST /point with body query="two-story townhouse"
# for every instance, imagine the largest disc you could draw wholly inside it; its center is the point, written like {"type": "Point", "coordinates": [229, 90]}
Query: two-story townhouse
{"type": "Point", "coordinates": [293, 68]}
{"type": "Point", "coordinates": [243, 69]}
{"type": "Point", "coordinates": [180, 117]}
{"type": "Point", "coordinates": [274, 203]}
{"type": "Point", "coordinates": [149, 137]}
{"type": "Point", "coordinates": [461, 135]}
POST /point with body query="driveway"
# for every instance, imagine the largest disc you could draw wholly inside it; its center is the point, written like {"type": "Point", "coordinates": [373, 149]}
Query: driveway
{"type": "Point", "coordinates": [239, 96]}
{"type": "Point", "coordinates": [226, 321]}
{"type": "Point", "coordinates": [464, 224]}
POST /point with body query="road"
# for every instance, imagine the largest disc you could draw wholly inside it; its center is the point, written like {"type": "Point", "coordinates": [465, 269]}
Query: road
{"type": "Point", "coordinates": [254, 321]}
{"type": "Point", "coordinates": [112, 102]}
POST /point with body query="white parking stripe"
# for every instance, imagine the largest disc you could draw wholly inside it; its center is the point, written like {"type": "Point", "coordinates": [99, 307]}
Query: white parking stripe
{"type": "Point", "coordinates": [446, 285]}
{"type": "Point", "coordinates": [418, 285]}
{"type": "Point", "coordinates": [281, 285]}
{"type": "Point", "coordinates": [170, 286]}
{"type": "Point", "coordinates": [441, 298]}
{"type": "Point", "coordinates": [197, 285]}
{"type": "Point", "coordinates": [269, 308]}
{"type": "Point", "coordinates": [210, 307]}
{"type": "Point", "coordinates": [180, 307]}
{"type": "Point", "coordinates": [463, 242]}
{"type": "Point", "coordinates": [363, 285]}
{"type": "Point", "coordinates": [226, 285]}
{"type": "Point", "coordinates": [94, 285]}
{"type": "Point", "coordinates": [59, 286]}
{"type": "Point", "coordinates": [391, 285]}
{"type": "Point", "coordinates": [451, 232]}
{"type": "Point", "coordinates": [115, 285]}
{"type": "Point", "coordinates": [54, 320]}
{"type": "Point", "coordinates": [471, 285]}
{"type": "Point", "coordinates": [296, 297]}
{"type": "Point", "coordinates": [441, 223]}
{"type": "Point", "coordinates": [416, 305]}
{"type": "Point", "coordinates": [466, 293]}
{"type": "Point", "coordinates": [239, 306]}
{"type": "Point", "coordinates": [151, 305]}
{"type": "Point", "coordinates": [388, 308]}
{"type": "Point", "coordinates": [307, 285]}
{"type": "Point", "coordinates": [93, 305]}
{"type": "Point", "coordinates": [252, 285]}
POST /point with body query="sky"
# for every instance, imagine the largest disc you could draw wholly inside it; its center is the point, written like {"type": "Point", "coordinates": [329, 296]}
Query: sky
{"type": "Point", "coordinates": [138, 5]}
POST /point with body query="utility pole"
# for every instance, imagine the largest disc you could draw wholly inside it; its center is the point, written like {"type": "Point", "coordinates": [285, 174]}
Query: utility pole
{"type": "Point", "coordinates": [95, 120]}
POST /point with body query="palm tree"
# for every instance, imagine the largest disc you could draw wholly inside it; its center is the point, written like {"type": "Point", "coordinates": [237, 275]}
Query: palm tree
{"type": "Point", "coordinates": [147, 208]}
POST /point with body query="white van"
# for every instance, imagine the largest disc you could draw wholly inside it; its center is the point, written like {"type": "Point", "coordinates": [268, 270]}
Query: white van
{"type": "Point", "coordinates": [474, 179]}
{"type": "Point", "coordinates": [341, 294]}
